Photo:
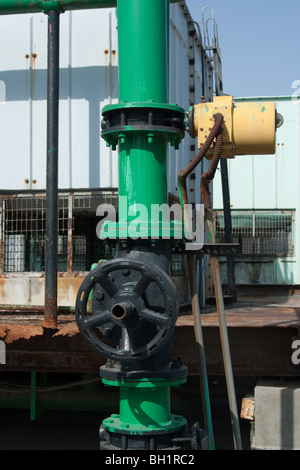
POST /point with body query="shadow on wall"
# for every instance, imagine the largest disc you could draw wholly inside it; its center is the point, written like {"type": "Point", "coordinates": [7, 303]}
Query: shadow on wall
{"type": "Point", "coordinates": [94, 84]}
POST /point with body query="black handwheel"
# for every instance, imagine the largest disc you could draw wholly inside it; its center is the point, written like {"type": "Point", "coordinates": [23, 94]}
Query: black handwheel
{"type": "Point", "coordinates": [134, 309]}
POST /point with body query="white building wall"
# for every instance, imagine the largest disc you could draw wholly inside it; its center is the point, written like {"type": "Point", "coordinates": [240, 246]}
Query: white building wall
{"type": "Point", "coordinates": [269, 182]}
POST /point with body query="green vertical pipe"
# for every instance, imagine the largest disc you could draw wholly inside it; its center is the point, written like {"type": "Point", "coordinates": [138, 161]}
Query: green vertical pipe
{"type": "Point", "coordinates": [143, 35]}
{"type": "Point", "coordinates": [142, 176]}
{"type": "Point", "coordinates": [33, 396]}
{"type": "Point", "coordinates": [144, 406]}
{"type": "Point", "coordinates": [143, 31]}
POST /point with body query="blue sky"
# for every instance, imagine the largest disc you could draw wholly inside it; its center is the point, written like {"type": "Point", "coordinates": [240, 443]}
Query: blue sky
{"type": "Point", "coordinates": [260, 44]}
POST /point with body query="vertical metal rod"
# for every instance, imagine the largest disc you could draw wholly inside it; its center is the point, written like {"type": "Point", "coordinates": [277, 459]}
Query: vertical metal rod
{"type": "Point", "coordinates": [224, 171]}
{"type": "Point", "coordinates": [224, 338]}
{"type": "Point", "coordinates": [33, 396]}
{"type": "Point", "coordinates": [190, 260]}
{"type": "Point", "coordinates": [70, 234]}
{"type": "Point", "coordinates": [50, 314]}
{"type": "Point", "coordinates": [2, 222]}
{"type": "Point", "coordinates": [228, 228]}
{"type": "Point", "coordinates": [200, 344]}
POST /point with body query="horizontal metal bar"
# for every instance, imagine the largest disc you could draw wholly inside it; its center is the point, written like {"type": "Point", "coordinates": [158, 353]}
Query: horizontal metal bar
{"type": "Point", "coordinates": [10, 7]}
{"type": "Point", "coordinates": [14, 308]}
{"type": "Point", "coordinates": [220, 249]}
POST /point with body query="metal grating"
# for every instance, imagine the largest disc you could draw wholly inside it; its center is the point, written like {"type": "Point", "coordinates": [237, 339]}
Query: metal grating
{"type": "Point", "coordinates": [260, 233]}
{"type": "Point", "coordinates": [23, 231]}
{"type": "Point", "coordinates": [22, 223]}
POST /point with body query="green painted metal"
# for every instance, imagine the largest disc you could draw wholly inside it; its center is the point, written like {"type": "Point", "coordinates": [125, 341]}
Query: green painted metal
{"type": "Point", "coordinates": [143, 83]}
{"type": "Point", "coordinates": [173, 135]}
{"type": "Point", "coordinates": [33, 396]}
{"type": "Point", "coordinates": [142, 174]}
{"type": "Point", "coordinates": [144, 407]}
{"type": "Point", "coordinates": [10, 7]}
{"type": "Point", "coordinates": [143, 29]}
{"type": "Point", "coordinates": [143, 37]}
{"type": "Point", "coordinates": [143, 70]}
{"type": "Point", "coordinates": [143, 77]}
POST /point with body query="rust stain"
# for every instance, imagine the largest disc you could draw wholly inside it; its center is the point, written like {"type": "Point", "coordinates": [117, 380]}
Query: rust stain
{"type": "Point", "coordinates": [69, 329]}
{"type": "Point", "coordinates": [2, 288]}
{"type": "Point", "coordinates": [27, 69]}
{"type": "Point", "coordinates": [247, 409]}
{"type": "Point", "coordinates": [70, 246]}
{"type": "Point", "coordinates": [34, 56]}
{"type": "Point", "coordinates": [50, 313]}
{"type": "Point", "coordinates": [11, 333]}
{"type": "Point", "coordinates": [27, 61]}
{"type": "Point", "coordinates": [106, 57]}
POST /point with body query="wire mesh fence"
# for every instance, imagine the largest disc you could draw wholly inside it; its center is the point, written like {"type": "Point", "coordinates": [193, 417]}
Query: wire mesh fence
{"type": "Point", "coordinates": [260, 233]}
{"type": "Point", "coordinates": [23, 231]}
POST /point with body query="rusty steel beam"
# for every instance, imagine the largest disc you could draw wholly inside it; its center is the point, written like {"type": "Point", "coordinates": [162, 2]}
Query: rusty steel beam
{"type": "Point", "coordinates": [260, 334]}
{"type": "Point", "coordinates": [22, 308]}
{"type": "Point", "coordinates": [254, 351]}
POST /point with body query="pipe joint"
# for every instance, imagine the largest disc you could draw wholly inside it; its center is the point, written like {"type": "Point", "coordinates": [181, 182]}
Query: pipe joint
{"type": "Point", "coordinates": [51, 5]}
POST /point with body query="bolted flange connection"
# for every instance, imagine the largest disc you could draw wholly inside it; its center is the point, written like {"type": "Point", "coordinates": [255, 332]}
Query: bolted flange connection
{"type": "Point", "coordinates": [120, 122]}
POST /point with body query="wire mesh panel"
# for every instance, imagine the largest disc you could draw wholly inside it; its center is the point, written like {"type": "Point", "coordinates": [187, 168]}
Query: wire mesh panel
{"type": "Point", "coordinates": [260, 233]}
{"type": "Point", "coordinates": [23, 232]}
{"type": "Point", "coordinates": [79, 253]}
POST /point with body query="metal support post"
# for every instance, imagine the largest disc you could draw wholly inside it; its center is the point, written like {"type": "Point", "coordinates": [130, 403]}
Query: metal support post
{"type": "Point", "coordinates": [50, 314]}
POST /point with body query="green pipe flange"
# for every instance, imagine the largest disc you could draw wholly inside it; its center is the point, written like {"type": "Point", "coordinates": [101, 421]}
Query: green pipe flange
{"type": "Point", "coordinates": [112, 138]}
{"type": "Point", "coordinates": [119, 133]}
{"type": "Point", "coordinates": [144, 383]}
{"type": "Point", "coordinates": [147, 104]}
{"type": "Point", "coordinates": [50, 5]}
{"type": "Point", "coordinates": [114, 424]}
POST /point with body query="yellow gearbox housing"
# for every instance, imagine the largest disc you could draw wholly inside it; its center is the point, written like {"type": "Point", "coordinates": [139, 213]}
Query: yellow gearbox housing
{"type": "Point", "coordinates": [249, 128]}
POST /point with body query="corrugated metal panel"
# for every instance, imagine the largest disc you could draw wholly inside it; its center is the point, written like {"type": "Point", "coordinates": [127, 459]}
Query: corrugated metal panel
{"type": "Point", "coordinates": [88, 81]}
{"type": "Point", "coordinates": [268, 182]}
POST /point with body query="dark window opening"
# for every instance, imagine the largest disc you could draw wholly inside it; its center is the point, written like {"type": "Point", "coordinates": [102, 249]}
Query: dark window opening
{"type": "Point", "coordinates": [23, 233]}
